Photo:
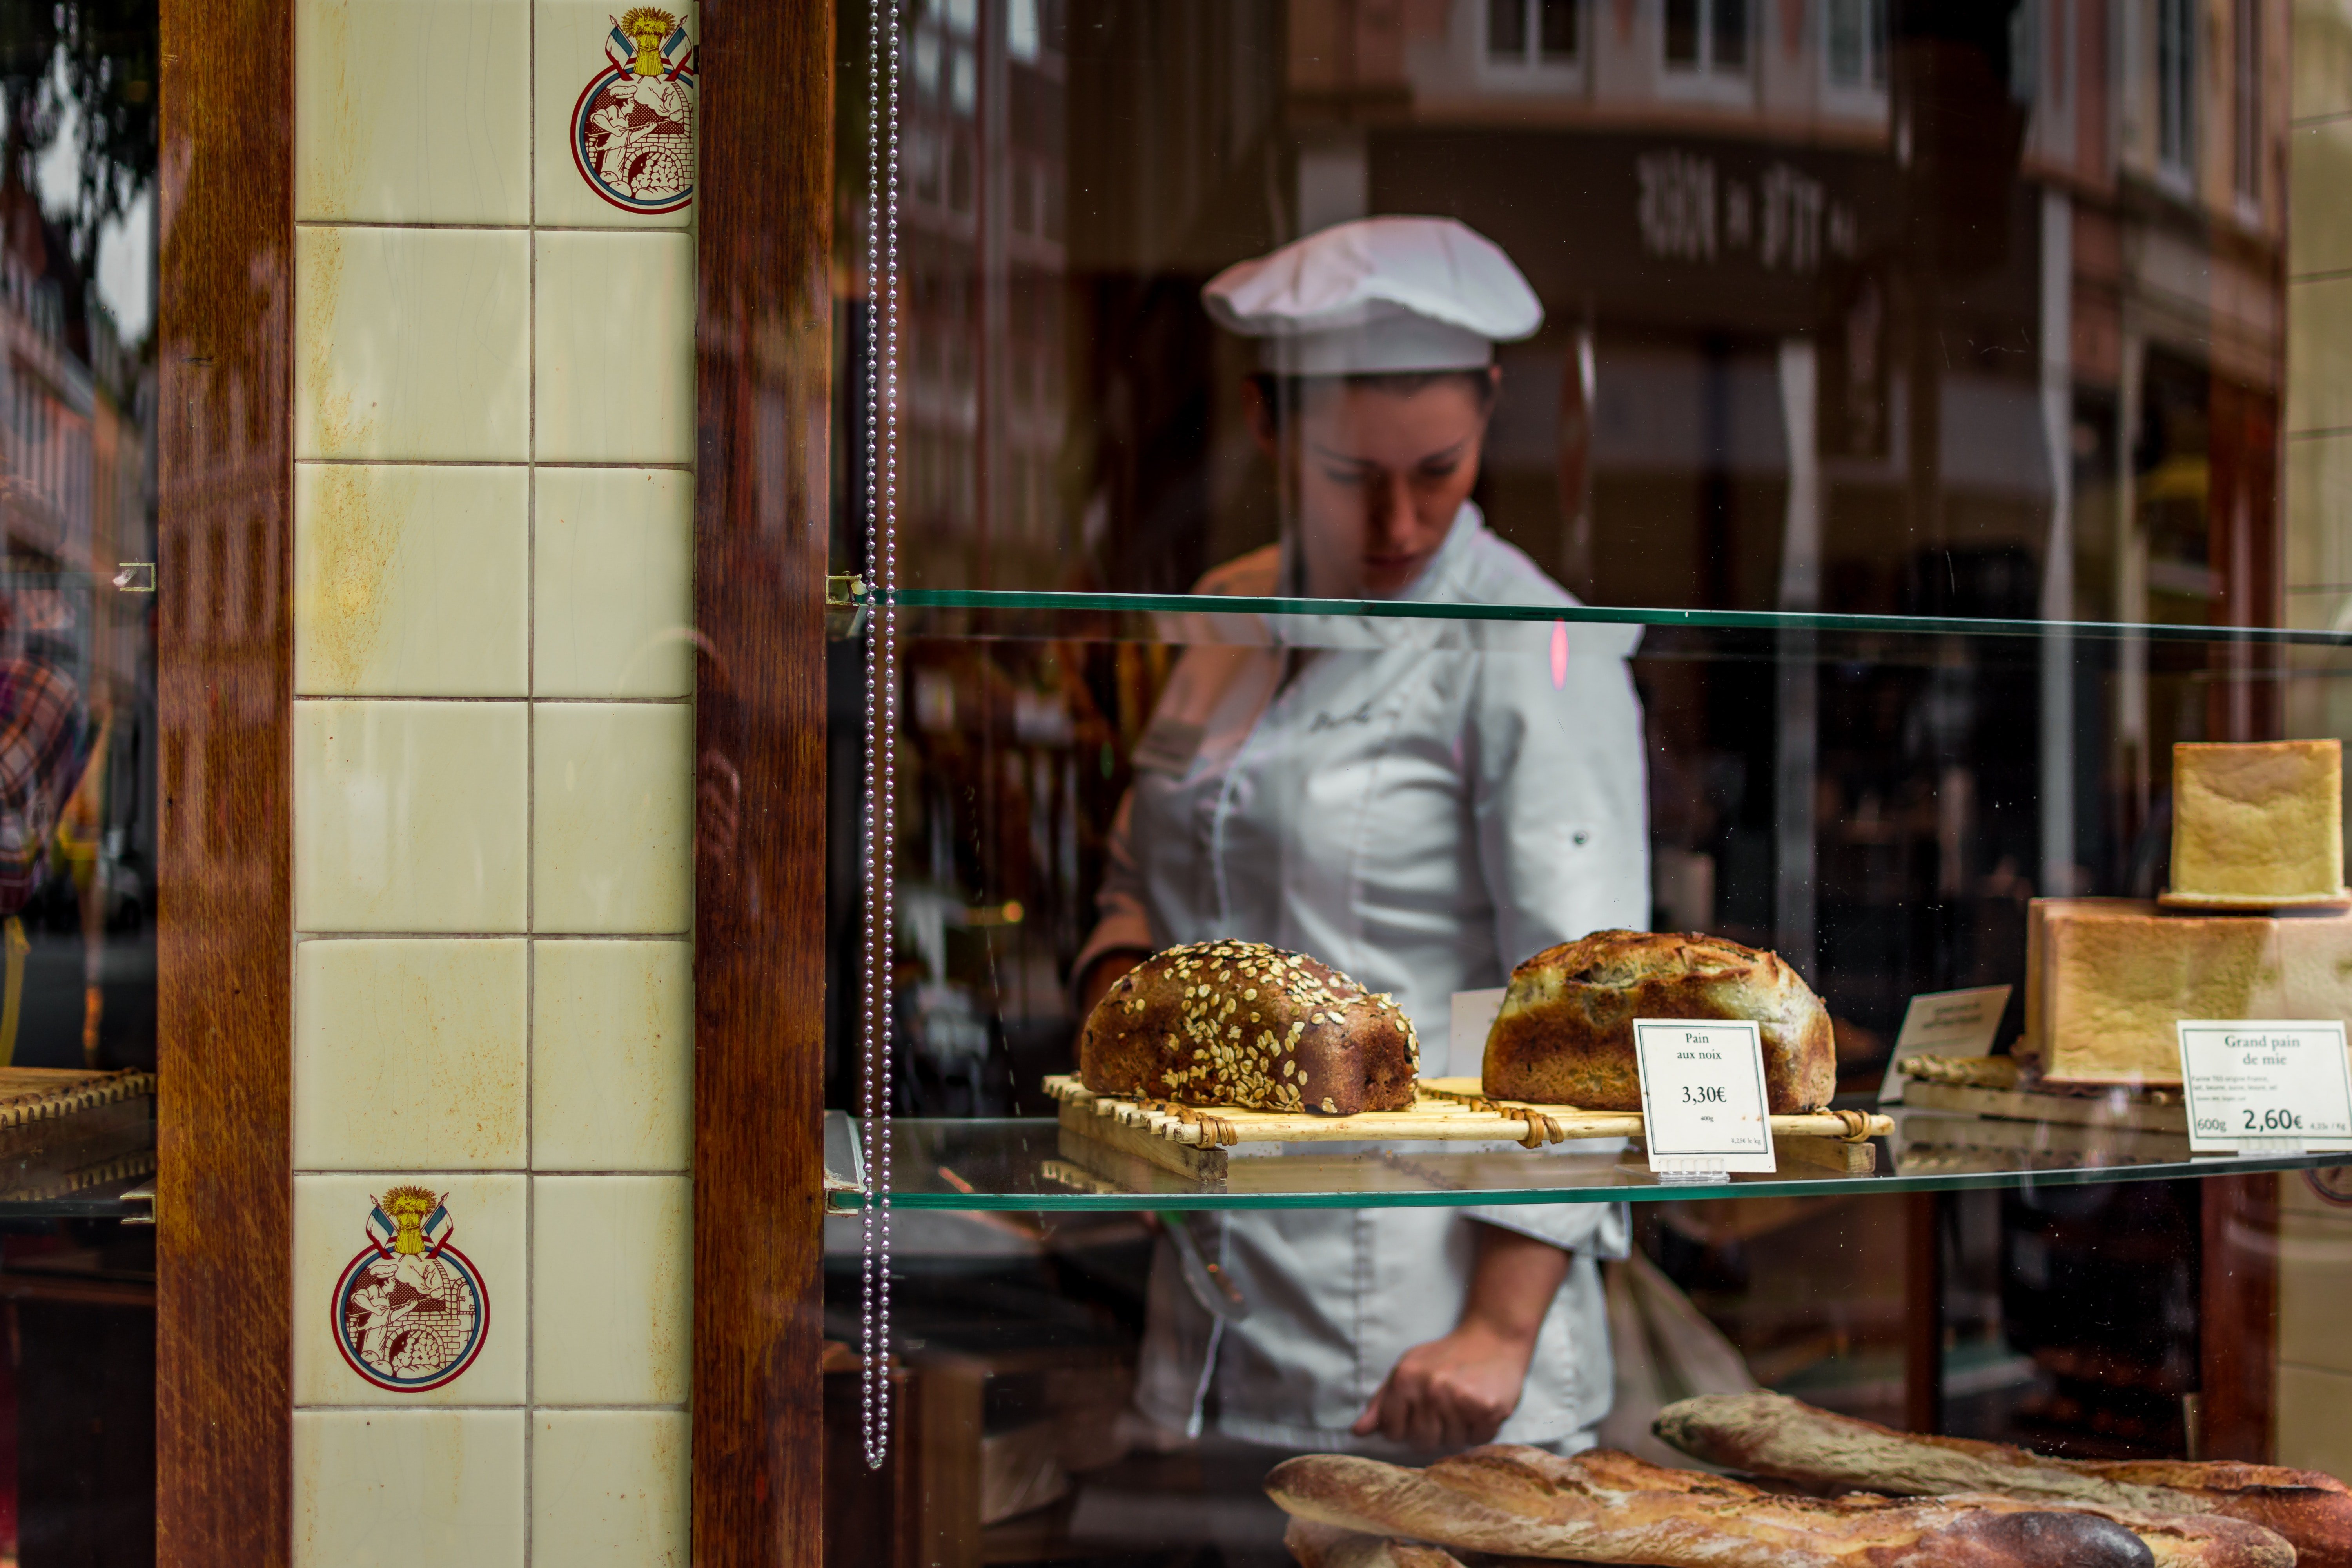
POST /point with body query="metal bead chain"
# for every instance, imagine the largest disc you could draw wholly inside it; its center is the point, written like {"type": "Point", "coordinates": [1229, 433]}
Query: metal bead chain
{"type": "Point", "coordinates": [881, 814]}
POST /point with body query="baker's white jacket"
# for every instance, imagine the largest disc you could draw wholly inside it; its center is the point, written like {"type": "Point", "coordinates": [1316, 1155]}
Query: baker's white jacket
{"type": "Point", "coordinates": [1426, 803]}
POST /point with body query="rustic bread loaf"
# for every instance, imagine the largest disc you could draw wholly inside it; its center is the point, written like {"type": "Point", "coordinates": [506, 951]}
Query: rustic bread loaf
{"type": "Point", "coordinates": [1238, 1022]}
{"type": "Point", "coordinates": [1601, 1506]}
{"type": "Point", "coordinates": [1772, 1435]}
{"type": "Point", "coordinates": [1565, 1034]}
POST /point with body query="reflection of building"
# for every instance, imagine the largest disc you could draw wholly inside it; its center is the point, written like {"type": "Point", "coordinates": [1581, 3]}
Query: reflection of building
{"type": "Point", "coordinates": [77, 500]}
{"type": "Point", "coordinates": [982, 230]}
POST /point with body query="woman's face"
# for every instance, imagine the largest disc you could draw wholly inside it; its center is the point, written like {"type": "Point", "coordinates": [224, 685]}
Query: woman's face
{"type": "Point", "coordinates": [1376, 476]}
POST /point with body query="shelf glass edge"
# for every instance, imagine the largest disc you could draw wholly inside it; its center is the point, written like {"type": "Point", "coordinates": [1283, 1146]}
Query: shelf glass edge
{"type": "Point", "coordinates": [1601, 614]}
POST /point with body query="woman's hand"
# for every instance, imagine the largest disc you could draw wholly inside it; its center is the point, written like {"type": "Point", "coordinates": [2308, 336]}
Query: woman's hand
{"type": "Point", "coordinates": [1459, 1390]}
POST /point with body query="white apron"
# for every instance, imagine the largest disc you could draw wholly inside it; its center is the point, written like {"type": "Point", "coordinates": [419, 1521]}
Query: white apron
{"type": "Point", "coordinates": [1427, 802]}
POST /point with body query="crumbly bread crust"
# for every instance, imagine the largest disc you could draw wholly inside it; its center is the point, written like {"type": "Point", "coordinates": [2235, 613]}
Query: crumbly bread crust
{"type": "Point", "coordinates": [1239, 1022]}
{"type": "Point", "coordinates": [1565, 1034]}
{"type": "Point", "coordinates": [1772, 1435]}
{"type": "Point", "coordinates": [1601, 1506]}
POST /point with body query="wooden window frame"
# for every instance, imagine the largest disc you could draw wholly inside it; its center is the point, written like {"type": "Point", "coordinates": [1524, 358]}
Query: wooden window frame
{"type": "Point", "coordinates": [223, 1208]}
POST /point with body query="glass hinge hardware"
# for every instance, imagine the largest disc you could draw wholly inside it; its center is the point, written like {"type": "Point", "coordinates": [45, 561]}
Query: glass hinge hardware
{"type": "Point", "coordinates": [136, 576]}
{"type": "Point", "coordinates": [844, 608]}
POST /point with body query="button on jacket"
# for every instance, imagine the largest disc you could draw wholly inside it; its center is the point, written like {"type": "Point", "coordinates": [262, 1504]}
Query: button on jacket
{"type": "Point", "coordinates": [1421, 805]}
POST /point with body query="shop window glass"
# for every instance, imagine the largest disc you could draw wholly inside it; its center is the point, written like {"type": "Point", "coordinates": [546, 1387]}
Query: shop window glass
{"type": "Point", "coordinates": [1832, 408]}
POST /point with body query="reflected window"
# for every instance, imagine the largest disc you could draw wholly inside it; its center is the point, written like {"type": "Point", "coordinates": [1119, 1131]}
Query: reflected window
{"type": "Point", "coordinates": [1856, 52]}
{"type": "Point", "coordinates": [1534, 32]}
{"type": "Point", "coordinates": [2246, 34]}
{"type": "Point", "coordinates": [1707, 35]}
{"type": "Point", "coordinates": [2175, 84]}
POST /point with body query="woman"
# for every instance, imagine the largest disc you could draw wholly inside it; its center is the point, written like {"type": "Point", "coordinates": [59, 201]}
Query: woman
{"type": "Point", "coordinates": [1421, 803]}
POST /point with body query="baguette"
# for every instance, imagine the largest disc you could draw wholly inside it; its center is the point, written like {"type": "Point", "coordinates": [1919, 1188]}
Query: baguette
{"type": "Point", "coordinates": [1601, 1506]}
{"type": "Point", "coordinates": [1772, 1435]}
{"type": "Point", "coordinates": [1321, 1546]}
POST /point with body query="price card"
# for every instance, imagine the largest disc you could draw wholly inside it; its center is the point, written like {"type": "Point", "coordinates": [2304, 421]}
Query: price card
{"type": "Point", "coordinates": [1471, 1020]}
{"type": "Point", "coordinates": [1944, 1024]}
{"type": "Point", "coordinates": [2260, 1085]}
{"type": "Point", "coordinates": [1702, 1096]}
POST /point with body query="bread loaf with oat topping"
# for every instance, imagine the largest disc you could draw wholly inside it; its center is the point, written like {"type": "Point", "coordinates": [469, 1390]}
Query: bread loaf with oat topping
{"type": "Point", "coordinates": [1241, 1023]}
{"type": "Point", "coordinates": [1565, 1033]}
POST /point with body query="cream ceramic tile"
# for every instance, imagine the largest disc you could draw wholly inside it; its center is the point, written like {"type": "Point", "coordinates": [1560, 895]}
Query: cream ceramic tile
{"type": "Point", "coordinates": [612, 1060]}
{"type": "Point", "coordinates": [410, 114]}
{"type": "Point", "coordinates": [409, 1054]}
{"type": "Point", "coordinates": [411, 581]}
{"type": "Point", "coordinates": [611, 827]}
{"type": "Point", "coordinates": [612, 565]}
{"type": "Point", "coordinates": [486, 1232]}
{"type": "Point", "coordinates": [2314, 1281]}
{"type": "Point", "coordinates": [2319, 355]}
{"type": "Point", "coordinates": [610, 1303]}
{"type": "Point", "coordinates": [2320, 175]}
{"type": "Point", "coordinates": [2294, 1193]}
{"type": "Point", "coordinates": [409, 817]}
{"type": "Point", "coordinates": [378, 1488]}
{"type": "Point", "coordinates": [609, 1488]}
{"type": "Point", "coordinates": [615, 381]}
{"type": "Point", "coordinates": [2314, 1420]}
{"type": "Point", "coordinates": [2321, 58]}
{"type": "Point", "coordinates": [574, 50]}
{"type": "Point", "coordinates": [413, 344]}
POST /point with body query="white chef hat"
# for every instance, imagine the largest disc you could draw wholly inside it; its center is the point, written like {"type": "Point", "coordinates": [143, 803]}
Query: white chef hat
{"type": "Point", "coordinates": [1376, 296]}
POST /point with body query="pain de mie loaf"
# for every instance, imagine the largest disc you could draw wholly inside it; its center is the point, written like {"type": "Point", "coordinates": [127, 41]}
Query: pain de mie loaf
{"type": "Point", "coordinates": [2106, 981]}
{"type": "Point", "coordinates": [1565, 1033]}
{"type": "Point", "coordinates": [1238, 1022]}
{"type": "Point", "coordinates": [2257, 825]}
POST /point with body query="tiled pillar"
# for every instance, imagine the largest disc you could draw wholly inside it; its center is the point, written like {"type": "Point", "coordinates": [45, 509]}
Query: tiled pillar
{"type": "Point", "coordinates": [493, 780]}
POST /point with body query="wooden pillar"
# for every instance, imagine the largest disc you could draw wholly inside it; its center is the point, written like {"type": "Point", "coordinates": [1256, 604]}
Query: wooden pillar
{"type": "Point", "coordinates": [224, 1405]}
{"type": "Point", "coordinates": [1923, 1311]}
{"type": "Point", "coordinates": [2237, 1324]}
{"type": "Point", "coordinates": [764, 353]}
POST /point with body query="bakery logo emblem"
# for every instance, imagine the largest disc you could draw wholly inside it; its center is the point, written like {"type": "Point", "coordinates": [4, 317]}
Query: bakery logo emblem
{"type": "Point", "coordinates": [410, 1310]}
{"type": "Point", "coordinates": [633, 128]}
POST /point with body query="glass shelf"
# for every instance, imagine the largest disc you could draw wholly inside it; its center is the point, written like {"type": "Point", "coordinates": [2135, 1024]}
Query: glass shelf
{"type": "Point", "coordinates": [1007, 1164]}
{"type": "Point", "coordinates": [1094, 607]}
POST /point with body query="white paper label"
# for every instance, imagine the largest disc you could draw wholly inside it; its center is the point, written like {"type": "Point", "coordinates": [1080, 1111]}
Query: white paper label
{"type": "Point", "coordinates": [2266, 1085]}
{"type": "Point", "coordinates": [1703, 1094]}
{"type": "Point", "coordinates": [1944, 1024]}
{"type": "Point", "coordinates": [1473, 1019]}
